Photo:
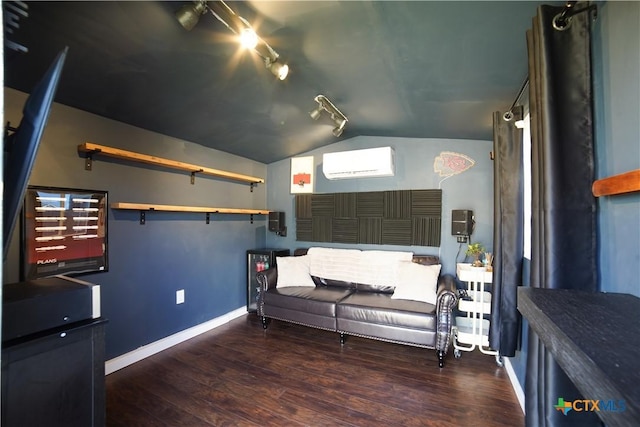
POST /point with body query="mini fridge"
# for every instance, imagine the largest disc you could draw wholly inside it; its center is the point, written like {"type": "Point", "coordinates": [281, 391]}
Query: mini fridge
{"type": "Point", "coordinates": [257, 261]}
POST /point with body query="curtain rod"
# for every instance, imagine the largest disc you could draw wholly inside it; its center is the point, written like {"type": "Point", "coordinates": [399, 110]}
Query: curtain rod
{"type": "Point", "coordinates": [562, 20]}
{"type": "Point", "coordinates": [509, 114]}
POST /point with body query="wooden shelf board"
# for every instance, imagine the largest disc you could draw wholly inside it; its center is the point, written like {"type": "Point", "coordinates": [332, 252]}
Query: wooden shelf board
{"type": "Point", "coordinates": [89, 147]}
{"type": "Point", "coordinates": [627, 182]}
{"type": "Point", "coordinates": [179, 208]}
{"type": "Point", "coordinates": [593, 337]}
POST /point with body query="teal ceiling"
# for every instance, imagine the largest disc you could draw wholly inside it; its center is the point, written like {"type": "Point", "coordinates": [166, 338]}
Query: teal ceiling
{"type": "Point", "coordinates": [424, 69]}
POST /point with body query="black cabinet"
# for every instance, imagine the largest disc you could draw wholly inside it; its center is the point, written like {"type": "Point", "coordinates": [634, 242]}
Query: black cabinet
{"type": "Point", "coordinates": [257, 261]}
{"type": "Point", "coordinates": [52, 354]}
{"type": "Point", "coordinates": [55, 378]}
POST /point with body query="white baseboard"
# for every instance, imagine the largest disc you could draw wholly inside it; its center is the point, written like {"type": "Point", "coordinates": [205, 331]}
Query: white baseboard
{"type": "Point", "coordinates": [143, 352]}
{"type": "Point", "coordinates": [514, 382]}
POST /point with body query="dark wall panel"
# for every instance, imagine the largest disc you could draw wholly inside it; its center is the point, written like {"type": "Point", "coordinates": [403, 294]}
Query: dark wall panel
{"type": "Point", "coordinates": [345, 230]}
{"type": "Point", "coordinates": [405, 217]}
{"type": "Point", "coordinates": [303, 207]}
{"type": "Point", "coordinates": [322, 205]}
{"type": "Point", "coordinates": [303, 229]}
{"type": "Point", "coordinates": [426, 203]}
{"type": "Point", "coordinates": [321, 229]}
{"type": "Point", "coordinates": [397, 204]}
{"type": "Point", "coordinates": [396, 232]}
{"type": "Point", "coordinates": [425, 231]}
{"type": "Point", "coordinates": [370, 204]}
{"type": "Point", "coordinates": [370, 230]}
{"type": "Point", "coordinates": [345, 205]}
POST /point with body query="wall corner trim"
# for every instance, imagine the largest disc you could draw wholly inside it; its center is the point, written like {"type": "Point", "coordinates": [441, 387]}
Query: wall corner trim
{"type": "Point", "coordinates": [145, 351]}
{"type": "Point", "coordinates": [515, 383]}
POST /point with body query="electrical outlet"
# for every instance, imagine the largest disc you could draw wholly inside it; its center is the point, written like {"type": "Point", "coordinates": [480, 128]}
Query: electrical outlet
{"type": "Point", "coordinates": [180, 296]}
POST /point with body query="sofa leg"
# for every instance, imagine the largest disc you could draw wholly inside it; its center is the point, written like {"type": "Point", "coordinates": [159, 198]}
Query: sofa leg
{"type": "Point", "coordinates": [343, 338]}
{"type": "Point", "coordinates": [265, 322]}
{"type": "Point", "coordinates": [441, 355]}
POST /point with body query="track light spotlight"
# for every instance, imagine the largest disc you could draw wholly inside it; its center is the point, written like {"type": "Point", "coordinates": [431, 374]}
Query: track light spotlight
{"type": "Point", "coordinates": [337, 131]}
{"type": "Point", "coordinates": [336, 115]}
{"type": "Point", "coordinates": [315, 114]}
{"type": "Point", "coordinates": [189, 14]}
{"type": "Point", "coordinates": [281, 71]}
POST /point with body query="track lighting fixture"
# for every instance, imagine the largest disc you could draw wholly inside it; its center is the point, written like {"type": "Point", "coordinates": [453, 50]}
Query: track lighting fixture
{"type": "Point", "coordinates": [337, 131]}
{"type": "Point", "coordinates": [281, 71]}
{"type": "Point", "coordinates": [336, 115]}
{"type": "Point", "coordinates": [189, 15]}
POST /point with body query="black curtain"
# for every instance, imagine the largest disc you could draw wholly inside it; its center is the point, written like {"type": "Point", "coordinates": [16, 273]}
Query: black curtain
{"type": "Point", "coordinates": [563, 208]}
{"type": "Point", "coordinates": [508, 235]}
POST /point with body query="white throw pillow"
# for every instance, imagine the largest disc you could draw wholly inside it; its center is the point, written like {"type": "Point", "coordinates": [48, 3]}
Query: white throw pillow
{"type": "Point", "coordinates": [293, 271]}
{"type": "Point", "coordinates": [417, 282]}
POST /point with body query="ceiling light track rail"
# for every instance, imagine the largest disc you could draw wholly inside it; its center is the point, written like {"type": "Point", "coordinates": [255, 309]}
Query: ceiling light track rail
{"type": "Point", "coordinates": [89, 150]}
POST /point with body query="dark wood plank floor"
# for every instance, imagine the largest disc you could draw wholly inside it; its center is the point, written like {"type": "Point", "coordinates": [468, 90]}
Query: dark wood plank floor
{"type": "Point", "coordinates": [290, 375]}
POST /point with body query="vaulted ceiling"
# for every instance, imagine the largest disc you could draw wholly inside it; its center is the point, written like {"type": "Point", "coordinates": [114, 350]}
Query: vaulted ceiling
{"type": "Point", "coordinates": [425, 69]}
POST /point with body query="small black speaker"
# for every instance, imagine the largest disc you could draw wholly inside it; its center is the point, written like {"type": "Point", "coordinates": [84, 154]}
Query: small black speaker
{"type": "Point", "coordinates": [276, 221]}
{"type": "Point", "coordinates": [461, 222]}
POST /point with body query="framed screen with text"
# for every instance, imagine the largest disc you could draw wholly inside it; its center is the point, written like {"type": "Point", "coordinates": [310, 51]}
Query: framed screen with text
{"type": "Point", "coordinates": [64, 231]}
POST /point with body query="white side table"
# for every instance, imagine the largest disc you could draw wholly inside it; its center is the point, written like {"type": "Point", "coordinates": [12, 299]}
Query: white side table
{"type": "Point", "coordinates": [472, 331]}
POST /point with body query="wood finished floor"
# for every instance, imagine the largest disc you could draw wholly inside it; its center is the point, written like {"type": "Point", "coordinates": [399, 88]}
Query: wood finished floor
{"type": "Point", "coordinates": [290, 375]}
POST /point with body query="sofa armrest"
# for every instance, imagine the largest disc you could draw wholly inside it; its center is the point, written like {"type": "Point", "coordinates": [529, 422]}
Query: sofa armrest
{"type": "Point", "coordinates": [445, 304]}
{"type": "Point", "coordinates": [267, 279]}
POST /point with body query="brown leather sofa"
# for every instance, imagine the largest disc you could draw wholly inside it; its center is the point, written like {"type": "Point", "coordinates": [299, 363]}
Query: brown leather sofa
{"type": "Point", "coordinates": [363, 310]}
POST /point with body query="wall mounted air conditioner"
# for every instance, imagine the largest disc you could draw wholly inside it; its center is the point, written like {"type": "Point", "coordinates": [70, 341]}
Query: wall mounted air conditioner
{"type": "Point", "coordinates": [366, 163]}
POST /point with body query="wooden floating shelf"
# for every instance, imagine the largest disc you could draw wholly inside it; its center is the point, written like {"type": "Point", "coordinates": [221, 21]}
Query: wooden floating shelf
{"type": "Point", "coordinates": [627, 182]}
{"type": "Point", "coordinates": [179, 208]}
{"type": "Point", "coordinates": [145, 207]}
{"type": "Point", "coordinates": [91, 149]}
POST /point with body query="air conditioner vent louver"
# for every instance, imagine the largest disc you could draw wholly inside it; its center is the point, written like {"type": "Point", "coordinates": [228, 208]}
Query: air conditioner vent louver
{"type": "Point", "coordinates": [371, 162]}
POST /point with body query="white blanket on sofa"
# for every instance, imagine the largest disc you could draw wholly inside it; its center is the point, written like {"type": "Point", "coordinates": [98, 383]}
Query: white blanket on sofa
{"type": "Point", "coordinates": [353, 265]}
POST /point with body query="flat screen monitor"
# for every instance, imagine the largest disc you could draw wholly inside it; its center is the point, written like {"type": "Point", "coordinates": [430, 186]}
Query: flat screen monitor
{"type": "Point", "coordinates": [21, 146]}
{"type": "Point", "coordinates": [64, 231]}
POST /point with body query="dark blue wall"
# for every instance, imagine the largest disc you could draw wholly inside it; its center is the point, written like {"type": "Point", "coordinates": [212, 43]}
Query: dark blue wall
{"type": "Point", "coordinates": [472, 189]}
{"type": "Point", "coordinates": [172, 251]}
{"type": "Point", "coordinates": [617, 106]}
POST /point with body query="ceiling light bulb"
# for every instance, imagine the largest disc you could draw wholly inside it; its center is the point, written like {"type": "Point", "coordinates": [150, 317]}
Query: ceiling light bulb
{"type": "Point", "coordinates": [315, 114]}
{"type": "Point", "coordinates": [338, 130]}
{"type": "Point", "coordinates": [281, 71]}
{"type": "Point", "coordinates": [189, 14]}
{"type": "Point", "coordinates": [249, 38]}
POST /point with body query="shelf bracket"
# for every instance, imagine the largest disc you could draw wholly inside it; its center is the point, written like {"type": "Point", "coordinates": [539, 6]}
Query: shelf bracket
{"type": "Point", "coordinates": [88, 159]}
{"type": "Point", "coordinates": [251, 186]}
{"type": "Point", "coordinates": [193, 176]}
{"type": "Point", "coordinates": [143, 217]}
{"type": "Point", "coordinates": [251, 218]}
{"type": "Point", "coordinates": [208, 217]}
